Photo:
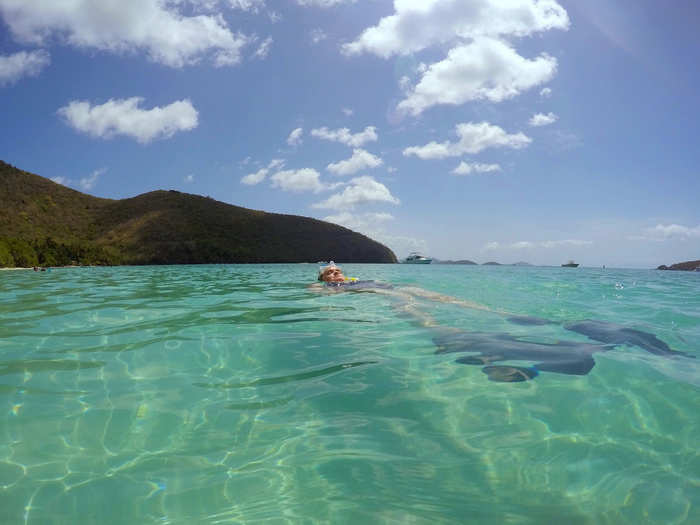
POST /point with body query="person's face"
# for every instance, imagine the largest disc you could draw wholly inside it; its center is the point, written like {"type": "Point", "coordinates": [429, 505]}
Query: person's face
{"type": "Point", "coordinates": [333, 275]}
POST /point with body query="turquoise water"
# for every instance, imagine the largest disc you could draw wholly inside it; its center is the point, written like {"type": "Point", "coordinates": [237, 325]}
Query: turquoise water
{"type": "Point", "coordinates": [236, 394]}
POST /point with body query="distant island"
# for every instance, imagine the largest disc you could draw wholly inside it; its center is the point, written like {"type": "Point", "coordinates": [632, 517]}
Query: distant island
{"type": "Point", "coordinates": [43, 223]}
{"type": "Point", "coordinates": [490, 263]}
{"type": "Point", "coordinates": [461, 261]}
{"type": "Point", "coordinates": [688, 266]}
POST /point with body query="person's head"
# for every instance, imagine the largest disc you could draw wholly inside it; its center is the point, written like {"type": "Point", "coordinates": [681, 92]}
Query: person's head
{"type": "Point", "coordinates": [331, 274]}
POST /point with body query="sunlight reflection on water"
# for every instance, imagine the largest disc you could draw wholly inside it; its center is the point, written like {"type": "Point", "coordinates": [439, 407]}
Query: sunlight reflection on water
{"type": "Point", "coordinates": [210, 394]}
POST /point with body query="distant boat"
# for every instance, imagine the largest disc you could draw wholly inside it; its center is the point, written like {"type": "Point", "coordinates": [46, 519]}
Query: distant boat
{"type": "Point", "coordinates": [416, 258]}
{"type": "Point", "coordinates": [570, 264]}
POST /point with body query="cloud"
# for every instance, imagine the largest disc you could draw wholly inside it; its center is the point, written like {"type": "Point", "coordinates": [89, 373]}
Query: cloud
{"type": "Point", "coordinates": [565, 242]}
{"type": "Point", "coordinates": [263, 49]}
{"type": "Point", "coordinates": [666, 232]}
{"type": "Point", "coordinates": [361, 190]}
{"type": "Point", "coordinates": [305, 179]}
{"type": "Point", "coordinates": [347, 111]}
{"type": "Point", "coordinates": [473, 138]}
{"type": "Point", "coordinates": [155, 27]}
{"type": "Point", "coordinates": [317, 35]}
{"type": "Point", "coordinates": [487, 69]}
{"type": "Point", "coordinates": [344, 136]}
{"type": "Point", "coordinates": [361, 221]}
{"type": "Point", "coordinates": [418, 24]}
{"type": "Point", "coordinates": [275, 164]}
{"type": "Point", "coordinates": [88, 183]}
{"type": "Point", "coordinates": [22, 64]}
{"type": "Point", "coordinates": [189, 178]}
{"type": "Point", "coordinates": [124, 117]}
{"type": "Point", "coordinates": [256, 178]}
{"type": "Point", "coordinates": [323, 3]}
{"type": "Point", "coordinates": [61, 180]}
{"type": "Point", "coordinates": [540, 119]}
{"type": "Point", "coordinates": [465, 168]}
{"type": "Point", "coordinates": [253, 6]}
{"type": "Point", "coordinates": [294, 138]}
{"type": "Point", "coordinates": [360, 160]}
{"type": "Point", "coordinates": [545, 92]}
{"type": "Point", "coordinates": [522, 245]}
{"type": "Point", "coordinates": [247, 5]}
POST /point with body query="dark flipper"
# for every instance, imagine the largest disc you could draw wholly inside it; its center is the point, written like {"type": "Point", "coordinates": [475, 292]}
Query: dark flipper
{"type": "Point", "coordinates": [580, 365]}
{"type": "Point", "coordinates": [619, 335]}
{"type": "Point", "coordinates": [479, 359]}
{"type": "Point", "coordinates": [529, 321]}
{"type": "Point", "coordinates": [509, 374]}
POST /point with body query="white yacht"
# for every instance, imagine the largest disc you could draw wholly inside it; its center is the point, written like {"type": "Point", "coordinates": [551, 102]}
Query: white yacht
{"type": "Point", "coordinates": [417, 258]}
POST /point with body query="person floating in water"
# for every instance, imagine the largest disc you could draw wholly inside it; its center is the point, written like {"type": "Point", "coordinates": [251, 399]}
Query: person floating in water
{"type": "Point", "coordinates": [333, 278]}
{"type": "Point", "coordinates": [564, 357]}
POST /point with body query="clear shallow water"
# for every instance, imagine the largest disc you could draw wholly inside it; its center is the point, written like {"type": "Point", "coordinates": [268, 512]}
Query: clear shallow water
{"type": "Point", "coordinates": [234, 394]}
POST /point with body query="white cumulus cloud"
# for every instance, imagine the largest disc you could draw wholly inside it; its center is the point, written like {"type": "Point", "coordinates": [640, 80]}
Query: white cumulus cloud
{"type": "Point", "coordinates": [418, 24]}
{"type": "Point", "coordinates": [257, 177]}
{"type": "Point", "coordinates": [294, 138]}
{"type": "Point", "coordinates": [246, 5]}
{"type": "Point", "coordinates": [361, 190]}
{"type": "Point", "coordinates": [541, 119]}
{"type": "Point", "coordinates": [362, 222]}
{"type": "Point", "coordinates": [486, 68]}
{"type": "Point", "coordinates": [360, 160]}
{"type": "Point", "coordinates": [88, 183]}
{"type": "Point", "coordinates": [664, 232]}
{"type": "Point", "coordinates": [22, 64]}
{"type": "Point", "coordinates": [343, 135]}
{"type": "Point", "coordinates": [155, 27]}
{"type": "Point", "coordinates": [305, 179]}
{"type": "Point", "coordinates": [263, 49]}
{"type": "Point", "coordinates": [323, 3]}
{"type": "Point", "coordinates": [546, 92]}
{"type": "Point", "coordinates": [125, 117]}
{"type": "Point", "coordinates": [466, 168]}
{"type": "Point", "coordinates": [473, 138]}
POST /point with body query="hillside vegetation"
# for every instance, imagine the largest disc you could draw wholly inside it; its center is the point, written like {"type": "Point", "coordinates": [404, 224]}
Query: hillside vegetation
{"type": "Point", "coordinates": [44, 223]}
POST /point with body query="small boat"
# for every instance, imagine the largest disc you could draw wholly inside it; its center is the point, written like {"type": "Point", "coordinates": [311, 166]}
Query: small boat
{"type": "Point", "coordinates": [417, 258]}
{"type": "Point", "coordinates": [570, 264]}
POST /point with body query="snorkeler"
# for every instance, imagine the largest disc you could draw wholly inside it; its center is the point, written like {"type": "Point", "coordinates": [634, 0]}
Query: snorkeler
{"type": "Point", "coordinates": [333, 278]}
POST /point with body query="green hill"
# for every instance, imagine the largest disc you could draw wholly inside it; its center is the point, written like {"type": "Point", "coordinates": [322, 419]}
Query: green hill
{"type": "Point", "coordinates": [44, 223]}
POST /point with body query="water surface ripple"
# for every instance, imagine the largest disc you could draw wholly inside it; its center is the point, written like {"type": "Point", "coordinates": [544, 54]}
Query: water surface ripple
{"type": "Point", "coordinates": [236, 394]}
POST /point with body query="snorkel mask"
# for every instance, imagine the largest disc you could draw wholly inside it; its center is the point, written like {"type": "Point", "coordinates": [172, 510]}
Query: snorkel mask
{"type": "Point", "coordinates": [322, 269]}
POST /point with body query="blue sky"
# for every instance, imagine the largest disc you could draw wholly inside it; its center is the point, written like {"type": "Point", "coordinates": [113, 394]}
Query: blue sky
{"type": "Point", "coordinates": [490, 130]}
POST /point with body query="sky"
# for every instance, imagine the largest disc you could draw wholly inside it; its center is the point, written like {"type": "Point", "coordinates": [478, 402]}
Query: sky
{"type": "Point", "coordinates": [490, 130]}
